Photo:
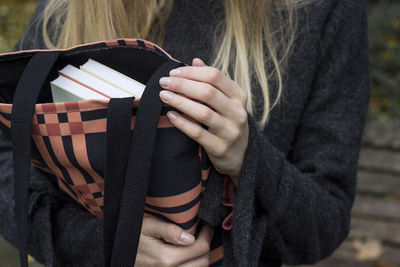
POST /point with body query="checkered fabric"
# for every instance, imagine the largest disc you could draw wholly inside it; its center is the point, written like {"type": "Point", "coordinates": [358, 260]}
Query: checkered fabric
{"type": "Point", "coordinates": [69, 143]}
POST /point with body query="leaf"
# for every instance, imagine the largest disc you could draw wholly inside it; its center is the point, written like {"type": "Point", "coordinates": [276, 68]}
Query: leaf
{"type": "Point", "coordinates": [369, 250]}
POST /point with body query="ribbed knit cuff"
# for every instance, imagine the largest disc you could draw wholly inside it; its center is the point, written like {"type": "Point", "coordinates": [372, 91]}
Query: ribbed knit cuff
{"type": "Point", "coordinates": [228, 197]}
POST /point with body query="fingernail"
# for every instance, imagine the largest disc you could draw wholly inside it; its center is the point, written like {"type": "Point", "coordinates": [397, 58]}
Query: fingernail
{"type": "Point", "coordinates": [174, 71]}
{"type": "Point", "coordinates": [165, 96]}
{"type": "Point", "coordinates": [186, 238]}
{"type": "Point", "coordinates": [198, 61]}
{"type": "Point", "coordinates": [165, 81]}
{"type": "Point", "coordinates": [171, 115]}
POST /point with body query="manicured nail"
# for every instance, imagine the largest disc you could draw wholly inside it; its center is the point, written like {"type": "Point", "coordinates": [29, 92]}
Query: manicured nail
{"type": "Point", "coordinates": [186, 238]}
{"type": "Point", "coordinates": [165, 81]}
{"type": "Point", "coordinates": [174, 71]}
{"type": "Point", "coordinates": [197, 61]}
{"type": "Point", "coordinates": [165, 95]}
{"type": "Point", "coordinates": [171, 115]}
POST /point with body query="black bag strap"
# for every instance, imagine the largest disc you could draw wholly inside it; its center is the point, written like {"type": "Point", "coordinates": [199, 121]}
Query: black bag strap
{"type": "Point", "coordinates": [25, 98]}
{"type": "Point", "coordinates": [134, 187]}
{"type": "Point", "coordinates": [138, 170]}
{"type": "Point", "coordinates": [118, 139]}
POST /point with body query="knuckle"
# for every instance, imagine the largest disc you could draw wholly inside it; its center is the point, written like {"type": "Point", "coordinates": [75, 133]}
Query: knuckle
{"type": "Point", "coordinates": [205, 260]}
{"type": "Point", "coordinates": [164, 258]}
{"type": "Point", "coordinates": [196, 134]}
{"type": "Point", "coordinates": [237, 104]}
{"type": "Point", "coordinates": [235, 133]}
{"type": "Point", "coordinates": [241, 117]}
{"type": "Point", "coordinates": [176, 83]}
{"type": "Point", "coordinates": [205, 115]}
{"type": "Point", "coordinates": [170, 232]}
{"type": "Point", "coordinates": [147, 224]}
{"type": "Point", "coordinates": [221, 150]}
{"type": "Point", "coordinates": [244, 97]}
{"type": "Point", "coordinates": [209, 92]}
{"type": "Point", "coordinates": [146, 220]}
{"type": "Point", "coordinates": [204, 246]}
{"type": "Point", "coordinates": [165, 263]}
{"type": "Point", "coordinates": [215, 74]}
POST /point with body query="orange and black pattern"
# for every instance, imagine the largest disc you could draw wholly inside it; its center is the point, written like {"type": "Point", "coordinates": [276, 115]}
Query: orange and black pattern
{"type": "Point", "coordinates": [69, 142]}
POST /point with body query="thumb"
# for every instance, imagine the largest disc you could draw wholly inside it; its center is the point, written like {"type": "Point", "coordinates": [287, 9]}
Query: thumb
{"type": "Point", "coordinates": [198, 62]}
{"type": "Point", "coordinates": [169, 232]}
{"type": "Point", "coordinates": [206, 232]}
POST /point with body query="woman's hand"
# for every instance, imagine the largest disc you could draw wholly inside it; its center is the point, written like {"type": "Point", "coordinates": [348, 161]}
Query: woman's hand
{"type": "Point", "coordinates": [163, 244]}
{"type": "Point", "coordinates": [206, 96]}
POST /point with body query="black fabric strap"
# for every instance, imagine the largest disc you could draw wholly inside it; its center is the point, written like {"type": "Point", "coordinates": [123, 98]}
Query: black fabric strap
{"type": "Point", "coordinates": [25, 98]}
{"type": "Point", "coordinates": [124, 198]}
{"type": "Point", "coordinates": [118, 139]}
{"type": "Point", "coordinates": [138, 170]}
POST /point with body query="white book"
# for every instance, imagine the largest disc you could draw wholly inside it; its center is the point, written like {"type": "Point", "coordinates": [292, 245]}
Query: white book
{"type": "Point", "coordinates": [74, 92]}
{"type": "Point", "coordinates": [113, 77]}
{"type": "Point", "coordinates": [92, 83]}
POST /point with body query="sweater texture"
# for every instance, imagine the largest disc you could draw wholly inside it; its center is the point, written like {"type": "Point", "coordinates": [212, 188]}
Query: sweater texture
{"type": "Point", "coordinates": [297, 183]}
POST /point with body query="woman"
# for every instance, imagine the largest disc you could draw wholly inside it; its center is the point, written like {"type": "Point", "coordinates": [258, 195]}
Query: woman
{"type": "Point", "coordinates": [285, 114]}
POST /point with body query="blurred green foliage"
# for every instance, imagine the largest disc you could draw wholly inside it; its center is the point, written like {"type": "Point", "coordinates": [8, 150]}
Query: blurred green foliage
{"type": "Point", "coordinates": [384, 52]}
{"type": "Point", "coordinates": [384, 36]}
{"type": "Point", "coordinates": [14, 17]}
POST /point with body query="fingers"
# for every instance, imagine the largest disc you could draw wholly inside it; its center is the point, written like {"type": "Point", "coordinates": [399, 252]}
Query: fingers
{"type": "Point", "coordinates": [206, 138]}
{"type": "Point", "coordinates": [153, 252]}
{"type": "Point", "coordinates": [201, 91]}
{"type": "Point", "coordinates": [206, 233]}
{"type": "Point", "coordinates": [213, 76]}
{"type": "Point", "coordinates": [198, 249]}
{"type": "Point", "coordinates": [195, 110]}
{"type": "Point", "coordinates": [203, 261]}
{"type": "Point", "coordinates": [169, 232]}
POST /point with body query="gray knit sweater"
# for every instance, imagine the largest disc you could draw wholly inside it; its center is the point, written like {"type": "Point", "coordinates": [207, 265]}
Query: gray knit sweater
{"type": "Point", "coordinates": [297, 183]}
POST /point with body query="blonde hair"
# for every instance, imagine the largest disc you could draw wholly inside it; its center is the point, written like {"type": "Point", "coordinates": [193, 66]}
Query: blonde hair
{"type": "Point", "coordinates": [257, 34]}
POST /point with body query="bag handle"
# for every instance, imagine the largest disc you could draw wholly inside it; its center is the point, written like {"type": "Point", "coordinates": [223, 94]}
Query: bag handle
{"type": "Point", "coordinates": [138, 169]}
{"type": "Point", "coordinates": [25, 98]}
{"type": "Point", "coordinates": [118, 139]}
{"type": "Point", "coordinates": [138, 165]}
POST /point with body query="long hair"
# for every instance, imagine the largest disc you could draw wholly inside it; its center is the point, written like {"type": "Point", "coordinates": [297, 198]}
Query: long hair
{"type": "Point", "coordinates": [257, 39]}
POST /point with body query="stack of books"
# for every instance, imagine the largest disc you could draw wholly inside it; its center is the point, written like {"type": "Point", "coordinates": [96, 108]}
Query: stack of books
{"type": "Point", "coordinates": [93, 80]}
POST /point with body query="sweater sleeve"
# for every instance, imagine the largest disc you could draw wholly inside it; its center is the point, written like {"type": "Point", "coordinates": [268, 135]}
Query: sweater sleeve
{"type": "Point", "coordinates": [301, 203]}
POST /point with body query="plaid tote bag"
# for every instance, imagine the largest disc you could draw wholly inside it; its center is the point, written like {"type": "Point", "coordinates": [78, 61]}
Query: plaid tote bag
{"type": "Point", "coordinates": [120, 159]}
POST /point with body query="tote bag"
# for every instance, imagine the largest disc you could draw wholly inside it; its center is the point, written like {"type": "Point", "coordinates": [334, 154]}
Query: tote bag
{"type": "Point", "coordinates": [121, 159]}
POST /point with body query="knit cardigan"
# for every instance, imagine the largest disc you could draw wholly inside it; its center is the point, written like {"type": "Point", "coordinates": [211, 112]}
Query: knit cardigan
{"type": "Point", "coordinates": [297, 183]}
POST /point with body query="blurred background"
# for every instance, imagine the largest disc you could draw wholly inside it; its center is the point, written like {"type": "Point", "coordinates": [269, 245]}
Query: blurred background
{"type": "Point", "coordinates": [374, 240]}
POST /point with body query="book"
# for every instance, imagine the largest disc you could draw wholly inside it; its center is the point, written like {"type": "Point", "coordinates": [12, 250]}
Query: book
{"type": "Point", "coordinates": [75, 91]}
{"type": "Point", "coordinates": [113, 77]}
{"type": "Point", "coordinates": [93, 81]}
